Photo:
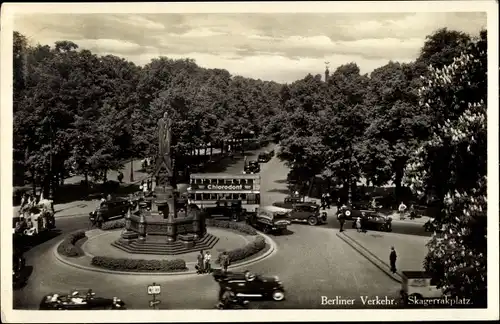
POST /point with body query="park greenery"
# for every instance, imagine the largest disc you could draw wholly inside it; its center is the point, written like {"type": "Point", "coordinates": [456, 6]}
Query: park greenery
{"type": "Point", "coordinates": [418, 125]}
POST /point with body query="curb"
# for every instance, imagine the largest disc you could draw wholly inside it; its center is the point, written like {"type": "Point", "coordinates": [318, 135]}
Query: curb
{"type": "Point", "coordinates": [273, 249]}
{"type": "Point", "coordinates": [370, 257]}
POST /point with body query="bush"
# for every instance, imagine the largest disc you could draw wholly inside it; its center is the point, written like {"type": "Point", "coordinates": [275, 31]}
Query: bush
{"type": "Point", "coordinates": [114, 224]}
{"type": "Point", "coordinates": [139, 265]}
{"type": "Point", "coordinates": [243, 228]}
{"type": "Point", "coordinates": [68, 247]}
{"type": "Point", "coordinates": [248, 250]}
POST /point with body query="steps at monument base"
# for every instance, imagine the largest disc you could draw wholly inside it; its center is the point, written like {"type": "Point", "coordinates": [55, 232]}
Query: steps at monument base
{"type": "Point", "coordinates": [135, 247]}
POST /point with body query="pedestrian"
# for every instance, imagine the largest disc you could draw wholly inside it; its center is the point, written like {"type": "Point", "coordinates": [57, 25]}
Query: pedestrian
{"type": "Point", "coordinates": [149, 183]}
{"type": "Point", "coordinates": [200, 266]}
{"type": "Point", "coordinates": [364, 222]}
{"type": "Point", "coordinates": [392, 259]}
{"type": "Point", "coordinates": [339, 202]}
{"type": "Point", "coordinates": [328, 200]}
{"type": "Point", "coordinates": [402, 210]}
{"type": "Point", "coordinates": [108, 198]}
{"type": "Point", "coordinates": [120, 177]}
{"type": "Point", "coordinates": [358, 224]}
{"type": "Point", "coordinates": [207, 260]}
{"type": "Point", "coordinates": [224, 260]}
{"type": "Point", "coordinates": [341, 218]}
{"type": "Point", "coordinates": [141, 187]}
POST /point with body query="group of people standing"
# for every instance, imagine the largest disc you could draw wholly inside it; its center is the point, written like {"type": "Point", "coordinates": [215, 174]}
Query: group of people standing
{"type": "Point", "coordinates": [326, 201]}
{"type": "Point", "coordinates": [31, 221]}
{"type": "Point", "coordinates": [204, 262]}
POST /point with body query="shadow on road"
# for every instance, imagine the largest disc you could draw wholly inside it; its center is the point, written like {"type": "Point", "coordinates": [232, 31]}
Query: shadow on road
{"type": "Point", "coordinates": [285, 233]}
{"type": "Point", "coordinates": [281, 181]}
{"type": "Point", "coordinates": [23, 278]}
{"type": "Point", "coordinates": [26, 243]}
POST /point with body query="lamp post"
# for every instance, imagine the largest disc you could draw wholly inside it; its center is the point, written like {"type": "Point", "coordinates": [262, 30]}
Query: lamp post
{"type": "Point", "coordinates": [131, 170]}
{"type": "Point", "coordinates": [51, 175]}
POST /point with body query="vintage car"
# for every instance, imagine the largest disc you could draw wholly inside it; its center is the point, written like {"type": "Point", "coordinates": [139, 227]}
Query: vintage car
{"type": "Point", "coordinates": [377, 223]}
{"type": "Point", "coordinates": [228, 209]}
{"type": "Point", "coordinates": [33, 221]}
{"type": "Point", "coordinates": [432, 226]}
{"type": "Point", "coordinates": [249, 285]}
{"type": "Point", "coordinates": [292, 200]}
{"type": "Point", "coordinates": [114, 208]}
{"type": "Point", "coordinates": [264, 157]}
{"type": "Point", "coordinates": [417, 286]}
{"type": "Point", "coordinates": [351, 213]}
{"type": "Point", "coordinates": [251, 167]}
{"type": "Point", "coordinates": [307, 213]}
{"type": "Point", "coordinates": [270, 219]}
{"type": "Point", "coordinates": [79, 300]}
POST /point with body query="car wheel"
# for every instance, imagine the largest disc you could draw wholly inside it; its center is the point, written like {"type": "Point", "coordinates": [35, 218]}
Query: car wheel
{"type": "Point", "coordinates": [312, 221]}
{"type": "Point", "coordinates": [266, 230]}
{"type": "Point", "coordinates": [382, 227]}
{"type": "Point", "coordinates": [278, 295]}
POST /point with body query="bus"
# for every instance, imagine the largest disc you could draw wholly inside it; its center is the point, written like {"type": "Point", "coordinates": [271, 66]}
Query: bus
{"type": "Point", "coordinates": [214, 190]}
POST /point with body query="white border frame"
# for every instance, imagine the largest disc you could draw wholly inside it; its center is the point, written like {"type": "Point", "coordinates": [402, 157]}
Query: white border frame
{"type": "Point", "coordinates": [10, 315]}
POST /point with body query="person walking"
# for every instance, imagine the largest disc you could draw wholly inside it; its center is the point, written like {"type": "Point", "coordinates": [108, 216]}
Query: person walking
{"type": "Point", "coordinates": [200, 266]}
{"type": "Point", "coordinates": [402, 211]}
{"type": "Point", "coordinates": [224, 261]}
{"type": "Point", "coordinates": [120, 177]}
{"type": "Point", "coordinates": [341, 218]}
{"type": "Point", "coordinates": [207, 260]}
{"type": "Point", "coordinates": [323, 201]}
{"type": "Point", "coordinates": [328, 200]}
{"type": "Point", "coordinates": [358, 224]}
{"type": "Point", "coordinates": [392, 258]}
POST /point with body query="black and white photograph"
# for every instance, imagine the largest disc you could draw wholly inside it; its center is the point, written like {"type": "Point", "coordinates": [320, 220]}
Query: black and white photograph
{"type": "Point", "coordinates": [313, 157]}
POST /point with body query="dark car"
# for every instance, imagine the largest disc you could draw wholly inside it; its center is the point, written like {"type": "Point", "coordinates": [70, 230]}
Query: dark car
{"type": "Point", "coordinates": [252, 167]}
{"type": "Point", "coordinates": [228, 209]}
{"type": "Point", "coordinates": [377, 223]}
{"type": "Point", "coordinates": [249, 285]}
{"type": "Point", "coordinates": [264, 157]}
{"type": "Point", "coordinates": [432, 226]}
{"type": "Point", "coordinates": [270, 219]}
{"type": "Point", "coordinates": [292, 200]}
{"type": "Point", "coordinates": [114, 208]}
{"type": "Point", "coordinates": [354, 211]}
{"type": "Point", "coordinates": [307, 212]}
{"type": "Point", "coordinates": [77, 301]}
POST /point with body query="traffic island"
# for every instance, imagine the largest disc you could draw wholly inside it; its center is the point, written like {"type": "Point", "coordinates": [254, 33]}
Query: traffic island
{"type": "Point", "coordinates": [376, 247]}
{"type": "Point", "coordinates": [100, 255]}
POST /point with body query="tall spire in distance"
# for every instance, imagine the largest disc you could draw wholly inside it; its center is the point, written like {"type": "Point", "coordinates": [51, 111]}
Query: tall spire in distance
{"type": "Point", "coordinates": [327, 72]}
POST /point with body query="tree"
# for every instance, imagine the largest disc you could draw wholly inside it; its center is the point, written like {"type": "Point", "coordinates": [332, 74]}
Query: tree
{"type": "Point", "coordinates": [441, 47]}
{"type": "Point", "coordinates": [397, 123]}
{"type": "Point", "coordinates": [452, 163]}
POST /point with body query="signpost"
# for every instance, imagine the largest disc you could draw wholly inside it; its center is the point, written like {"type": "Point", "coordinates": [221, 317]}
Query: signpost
{"type": "Point", "coordinates": [154, 290]}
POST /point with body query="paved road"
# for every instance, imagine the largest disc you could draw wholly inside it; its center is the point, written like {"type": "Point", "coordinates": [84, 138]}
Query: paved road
{"type": "Point", "coordinates": [311, 261]}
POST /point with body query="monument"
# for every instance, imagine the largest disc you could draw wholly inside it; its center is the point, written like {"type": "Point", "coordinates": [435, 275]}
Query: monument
{"type": "Point", "coordinates": [168, 226]}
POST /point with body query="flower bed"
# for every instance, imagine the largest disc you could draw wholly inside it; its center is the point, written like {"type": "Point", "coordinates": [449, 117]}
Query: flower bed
{"type": "Point", "coordinates": [68, 247]}
{"type": "Point", "coordinates": [243, 228]}
{"type": "Point", "coordinates": [248, 250]}
{"type": "Point", "coordinates": [121, 264]}
{"type": "Point", "coordinates": [114, 224]}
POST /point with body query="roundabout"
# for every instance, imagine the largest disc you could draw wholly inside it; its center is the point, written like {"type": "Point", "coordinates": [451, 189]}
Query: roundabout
{"type": "Point", "coordinates": [99, 244]}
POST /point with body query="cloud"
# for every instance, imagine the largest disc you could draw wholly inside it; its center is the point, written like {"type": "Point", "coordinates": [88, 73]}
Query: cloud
{"type": "Point", "coordinates": [267, 46]}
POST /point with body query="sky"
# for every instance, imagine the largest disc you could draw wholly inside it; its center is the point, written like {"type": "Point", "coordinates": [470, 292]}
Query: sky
{"type": "Point", "coordinates": [281, 47]}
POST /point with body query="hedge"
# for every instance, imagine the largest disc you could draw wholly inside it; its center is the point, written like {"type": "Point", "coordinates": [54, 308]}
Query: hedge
{"type": "Point", "coordinates": [240, 227]}
{"type": "Point", "coordinates": [114, 224]}
{"type": "Point", "coordinates": [248, 250]}
{"type": "Point", "coordinates": [120, 264]}
{"type": "Point", "coordinates": [68, 247]}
